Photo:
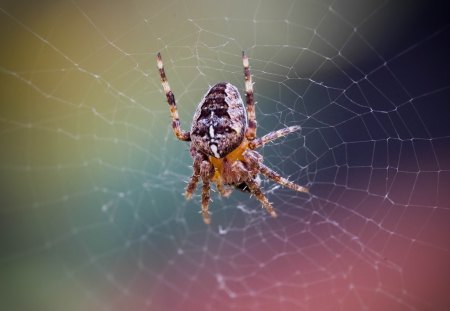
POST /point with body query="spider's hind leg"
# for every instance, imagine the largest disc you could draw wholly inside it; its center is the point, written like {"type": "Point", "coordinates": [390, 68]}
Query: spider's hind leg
{"type": "Point", "coordinates": [206, 172]}
{"type": "Point", "coordinates": [224, 190]}
{"type": "Point", "coordinates": [256, 191]}
{"type": "Point", "coordinates": [192, 185]}
{"type": "Point", "coordinates": [279, 179]}
{"type": "Point", "coordinates": [244, 187]}
{"type": "Point", "coordinates": [205, 202]}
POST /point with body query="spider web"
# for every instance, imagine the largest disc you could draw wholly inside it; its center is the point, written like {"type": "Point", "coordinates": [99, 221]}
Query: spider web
{"type": "Point", "coordinates": [92, 213]}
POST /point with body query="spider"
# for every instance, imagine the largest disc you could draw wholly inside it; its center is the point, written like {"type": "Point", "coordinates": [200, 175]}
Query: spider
{"type": "Point", "coordinates": [223, 142]}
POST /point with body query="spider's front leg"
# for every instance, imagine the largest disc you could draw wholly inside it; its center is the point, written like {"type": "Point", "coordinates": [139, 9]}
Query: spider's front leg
{"type": "Point", "coordinates": [179, 133]}
{"type": "Point", "coordinates": [250, 133]}
{"type": "Point", "coordinates": [259, 142]}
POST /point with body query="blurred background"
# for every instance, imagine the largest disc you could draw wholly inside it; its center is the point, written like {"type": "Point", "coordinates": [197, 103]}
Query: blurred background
{"type": "Point", "coordinates": [92, 215]}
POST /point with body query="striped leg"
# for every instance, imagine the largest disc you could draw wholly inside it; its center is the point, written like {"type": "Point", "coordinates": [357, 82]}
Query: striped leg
{"type": "Point", "coordinates": [224, 191]}
{"type": "Point", "coordinates": [207, 172]}
{"type": "Point", "coordinates": [280, 180]}
{"type": "Point", "coordinates": [192, 185]}
{"type": "Point", "coordinates": [250, 134]}
{"type": "Point", "coordinates": [259, 142]}
{"type": "Point", "coordinates": [205, 201]}
{"type": "Point", "coordinates": [256, 191]}
{"type": "Point", "coordinates": [181, 135]}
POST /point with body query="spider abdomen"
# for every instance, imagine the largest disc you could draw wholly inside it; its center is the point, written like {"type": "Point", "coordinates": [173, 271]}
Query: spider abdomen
{"type": "Point", "coordinates": [219, 122]}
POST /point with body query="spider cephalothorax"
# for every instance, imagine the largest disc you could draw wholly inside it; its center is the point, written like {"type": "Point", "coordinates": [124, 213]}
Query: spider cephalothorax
{"type": "Point", "coordinates": [223, 139]}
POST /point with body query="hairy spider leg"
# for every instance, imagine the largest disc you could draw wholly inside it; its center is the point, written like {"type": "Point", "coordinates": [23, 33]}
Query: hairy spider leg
{"type": "Point", "coordinates": [250, 133]}
{"type": "Point", "coordinates": [179, 133]}
{"type": "Point", "coordinates": [259, 142]}
{"type": "Point", "coordinates": [205, 201]}
{"type": "Point", "coordinates": [206, 172]}
{"type": "Point", "coordinates": [223, 190]}
{"type": "Point", "coordinates": [280, 180]}
{"type": "Point", "coordinates": [256, 191]}
{"type": "Point", "coordinates": [192, 185]}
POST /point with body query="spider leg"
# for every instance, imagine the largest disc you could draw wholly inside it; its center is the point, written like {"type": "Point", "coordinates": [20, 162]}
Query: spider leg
{"type": "Point", "coordinates": [256, 190]}
{"type": "Point", "coordinates": [192, 185]}
{"type": "Point", "coordinates": [259, 142]}
{"type": "Point", "coordinates": [223, 190]}
{"type": "Point", "coordinates": [205, 201]}
{"type": "Point", "coordinates": [207, 172]}
{"type": "Point", "coordinates": [250, 133]}
{"type": "Point", "coordinates": [181, 135]}
{"type": "Point", "coordinates": [280, 180]}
